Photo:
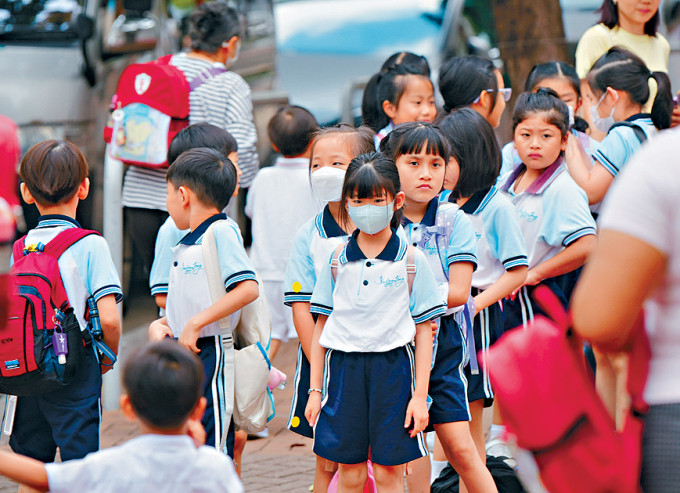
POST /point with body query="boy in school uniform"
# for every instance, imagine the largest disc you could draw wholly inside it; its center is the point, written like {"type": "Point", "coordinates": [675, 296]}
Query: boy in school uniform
{"type": "Point", "coordinates": [54, 175]}
{"type": "Point", "coordinates": [200, 184]}
{"type": "Point", "coordinates": [279, 202]}
{"type": "Point", "coordinates": [163, 394]}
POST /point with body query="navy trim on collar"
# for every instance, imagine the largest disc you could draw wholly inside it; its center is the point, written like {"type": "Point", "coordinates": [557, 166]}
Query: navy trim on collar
{"type": "Point", "coordinates": [192, 237]}
{"type": "Point", "coordinates": [639, 116]}
{"type": "Point", "coordinates": [473, 202]}
{"type": "Point", "coordinates": [58, 217]}
{"type": "Point", "coordinates": [330, 227]}
{"type": "Point", "coordinates": [430, 216]}
{"type": "Point", "coordinates": [390, 252]}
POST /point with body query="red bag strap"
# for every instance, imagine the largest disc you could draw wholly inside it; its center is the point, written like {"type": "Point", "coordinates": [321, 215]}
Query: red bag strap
{"type": "Point", "coordinates": [18, 248]}
{"type": "Point", "coordinates": [60, 243]}
{"type": "Point", "coordinates": [638, 365]}
{"type": "Point", "coordinates": [551, 305]}
{"type": "Point", "coordinates": [164, 60]}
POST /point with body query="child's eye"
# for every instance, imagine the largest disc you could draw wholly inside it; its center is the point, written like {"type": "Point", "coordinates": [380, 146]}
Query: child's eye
{"type": "Point", "coordinates": [413, 163]}
{"type": "Point", "coordinates": [337, 163]}
{"type": "Point", "coordinates": [314, 166]}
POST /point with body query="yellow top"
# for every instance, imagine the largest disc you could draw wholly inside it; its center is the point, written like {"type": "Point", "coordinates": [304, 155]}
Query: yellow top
{"type": "Point", "coordinates": [654, 50]}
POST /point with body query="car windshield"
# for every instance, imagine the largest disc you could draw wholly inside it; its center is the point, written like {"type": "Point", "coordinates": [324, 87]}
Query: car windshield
{"type": "Point", "coordinates": [37, 20]}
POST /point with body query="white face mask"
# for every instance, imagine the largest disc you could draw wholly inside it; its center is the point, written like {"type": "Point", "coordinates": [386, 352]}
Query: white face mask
{"type": "Point", "coordinates": [371, 219]}
{"type": "Point", "coordinates": [232, 60]}
{"type": "Point", "coordinates": [327, 183]}
{"type": "Point", "coordinates": [571, 115]}
{"type": "Point", "coordinates": [603, 124]}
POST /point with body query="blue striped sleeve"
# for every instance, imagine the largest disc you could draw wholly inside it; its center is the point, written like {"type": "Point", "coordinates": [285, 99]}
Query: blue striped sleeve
{"type": "Point", "coordinates": [235, 266]}
{"type": "Point", "coordinates": [616, 149]}
{"type": "Point", "coordinates": [300, 276]}
{"type": "Point", "coordinates": [463, 241]}
{"type": "Point", "coordinates": [567, 216]}
{"type": "Point", "coordinates": [426, 302]}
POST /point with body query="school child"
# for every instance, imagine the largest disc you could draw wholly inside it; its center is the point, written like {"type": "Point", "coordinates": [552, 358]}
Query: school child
{"type": "Point", "coordinates": [200, 184]}
{"type": "Point", "coordinates": [561, 78]}
{"type": "Point", "coordinates": [163, 394]}
{"type": "Point", "coordinates": [558, 229]}
{"type": "Point", "coordinates": [196, 135]}
{"type": "Point", "coordinates": [371, 112]}
{"type": "Point", "coordinates": [618, 88]}
{"type": "Point", "coordinates": [280, 201]}
{"type": "Point", "coordinates": [54, 175]}
{"type": "Point", "coordinates": [421, 155]}
{"type": "Point", "coordinates": [404, 95]}
{"type": "Point", "coordinates": [368, 387]}
{"type": "Point", "coordinates": [333, 148]}
{"type": "Point", "coordinates": [475, 82]}
{"type": "Point", "coordinates": [501, 253]}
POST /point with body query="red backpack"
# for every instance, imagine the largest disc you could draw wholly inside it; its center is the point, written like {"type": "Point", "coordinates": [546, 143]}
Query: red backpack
{"type": "Point", "coordinates": [548, 401]}
{"type": "Point", "coordinates": [150, 106]}
{"type": "Point", "coordinates": [41, 344]}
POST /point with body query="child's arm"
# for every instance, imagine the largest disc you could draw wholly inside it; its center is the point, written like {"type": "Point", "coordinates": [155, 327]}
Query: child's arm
{"type": "Point", "coordinates": [24, 470]}
{"type": "Point", "coordinates": [304, 326]}
{"type": "Point", "coordinates": [417, 406]}
{"type": "Point", "coordinates": [460, 281]}
{"type": "Point", "coordinates": [110, 323]}
{"type": "Point", "coordinates": [243, 293]}
{"type": "Point", "coordinates": [508, 283]}
{"type": "Point", "coordinates": [318, 354]}
{"type": "Point", "coordinates": [161, 299]}
{"type": "Point", "coordinates": [569, 259]}
{"type": "Point", "coordinates": [159, 330]}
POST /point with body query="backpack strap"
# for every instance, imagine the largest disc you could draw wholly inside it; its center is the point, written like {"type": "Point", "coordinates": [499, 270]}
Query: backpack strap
{"type": "Point", "coordinates": [638, 366]}
{"type": "Point", "coordinates": [639, 133]}
{"type": "Point", "coordinates": [335, 261]}
{"type": "Point", "coordinates": [445, 220]}
{"type": "Point", "coordinates": [410, 267]}
{"type": "Point", "coordinates": [64, 240]}
{"type": "Point", "coordinates": [18, 248]}
{"type": "Point", "coordinates": [205, 76]}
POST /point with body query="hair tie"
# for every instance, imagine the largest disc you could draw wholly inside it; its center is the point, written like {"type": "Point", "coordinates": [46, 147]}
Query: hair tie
{"type": "Point", "coordinates": [651, 74]}
{"type": "Point", "coordinates": [447, 108]}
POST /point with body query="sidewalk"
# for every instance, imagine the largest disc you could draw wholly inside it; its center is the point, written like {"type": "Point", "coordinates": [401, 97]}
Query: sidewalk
{"type": "Point", "coordinates": [283, 462]}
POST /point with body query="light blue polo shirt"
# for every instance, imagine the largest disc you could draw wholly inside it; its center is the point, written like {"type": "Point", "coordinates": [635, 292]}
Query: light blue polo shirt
{"type": "Point", "coordinates": [314, 245]}
{"type": "Point", "coordinates": [553, 212]}
{"type": "Point", "coordinates": [500, 245]}
{"type": "Point", "coordinates": [86, 267]}
{"type": "Point", "coordinates": [369, 307]}
{"type": "Point", "coordinates": [188, 290]}
{"type": "Point", "coordinates": [621, 143]}
{"type": "Point", "coordinates": [462, 244]}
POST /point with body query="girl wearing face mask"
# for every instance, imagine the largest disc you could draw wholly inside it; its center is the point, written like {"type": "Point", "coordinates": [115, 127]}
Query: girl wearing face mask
{"type": "Point", "coordinates": [617, 87]}
{"type": "Point", "coordinates": [368, 385]}
{"type": "Point", "coordinates": [561, 78]}
{"type": "Point", "coordinates": [332, 150]}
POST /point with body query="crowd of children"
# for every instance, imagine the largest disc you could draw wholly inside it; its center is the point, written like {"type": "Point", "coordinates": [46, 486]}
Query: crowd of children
{"type": "Point", "coordinates": [369, 243]}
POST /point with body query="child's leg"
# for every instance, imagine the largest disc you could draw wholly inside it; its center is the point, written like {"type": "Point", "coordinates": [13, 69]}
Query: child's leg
{"type": "Point", "coordinates": [352, 477]}
{"type": "Point", "coordinates": [605, 382]}
{"type": "Point", "coordinates": [274, 346]}
{"type": "Point", "coordinates": [240, 439]}
{"type": "Point", "coordinates": [323, 474]}
{"type": "Point", "coordinates": [477, 428]}
{"type": "Point", "coordinates": [273, 291]}
{"type": "Point", "coordinates": [619, 363]}
{"type": "Point", "coordinates": [297, 421]}
{"type": "Point", "coordinates": [388, 478]}
{"type": "Point", "coordinates": [418, 478]}
{"type": "Point", "coordinates": [461, 451]}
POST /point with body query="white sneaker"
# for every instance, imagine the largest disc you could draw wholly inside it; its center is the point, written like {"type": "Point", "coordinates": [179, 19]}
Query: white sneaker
{"type": "Point", "coordinates": [497, 447]}
{"type": "Point", "coordinates": [260, 434]}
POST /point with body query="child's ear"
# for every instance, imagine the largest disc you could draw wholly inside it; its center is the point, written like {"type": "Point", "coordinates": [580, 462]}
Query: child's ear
{"type": "Point", "coordinates": [126, 407]}
{"type": "Point", "coordinates": [26, 194]}
{"type": "Point", "coordinates": [399, 200]}
{"type": "Point", "coordinates": [563, 145]}
{"type": "Point", "coordinates": [389, 109]}
{"type": "Point", "coordinates": [199, 410]}
{"type": "Point", "coordinates": [185, 195]}
{"type": "Point", "coordinates": [84, 189]}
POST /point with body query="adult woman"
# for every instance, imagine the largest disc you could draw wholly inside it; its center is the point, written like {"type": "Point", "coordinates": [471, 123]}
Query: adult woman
{"type": "Point", "coordinates": [638, 260]}
{"type": "Point", "coordinates": [223, 100]}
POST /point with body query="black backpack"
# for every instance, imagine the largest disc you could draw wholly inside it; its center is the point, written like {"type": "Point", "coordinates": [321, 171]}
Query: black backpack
{"type": "Point", "coordinates": [639, 133]}
{"type": "Point", "coordinates": [503, 475]}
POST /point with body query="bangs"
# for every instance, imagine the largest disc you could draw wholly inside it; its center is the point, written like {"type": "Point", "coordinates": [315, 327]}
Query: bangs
{"type": "Point", "coordinates": [421, 137]}
{"type": "Point", "coordinates": [366, 183]}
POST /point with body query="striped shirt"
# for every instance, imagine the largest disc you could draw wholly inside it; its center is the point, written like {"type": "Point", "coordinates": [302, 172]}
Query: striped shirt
{"type": "Point", "coordinates": [224, 101]}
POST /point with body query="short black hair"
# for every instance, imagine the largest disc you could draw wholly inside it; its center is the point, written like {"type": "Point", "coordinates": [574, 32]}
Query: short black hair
{"type": "Point", "coordinates": [463, 78]}
{"type": "Point", "coordinates": [610, 17]}
{"type": "Point", "coordinates": [291, 130]}
{"type": "Point", "coordinates": [211, 24]}
{"type": "Point", "coordinates": [392, 84]}
{"type": "Point", "coordinates": [206, 172]}
{"type": "Point", "coordinates": [409, 138]}
{"type": "Point", "coordinates": [164, 382]}
{"type": "Point", "coordinates": [368, 175]}
{"type": "Point", "coordinates": [544, 101]}
{"type": "Point", "coordinates": [473, 143]}
{"type": "Point", "coordinates": [201, 135]}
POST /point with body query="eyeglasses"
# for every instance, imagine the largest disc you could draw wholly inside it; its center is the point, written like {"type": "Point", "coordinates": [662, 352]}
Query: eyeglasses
{"type": "Point", "coordinates": [506, 92]}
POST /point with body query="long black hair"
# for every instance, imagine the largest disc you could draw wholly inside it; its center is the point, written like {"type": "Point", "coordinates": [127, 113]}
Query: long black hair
{"type": "Point", "coordinates": [609, 16]}
{"type": "Point", "coordinates": [622, 70]}
{"type": "Point", "coordinates": [463, 78]}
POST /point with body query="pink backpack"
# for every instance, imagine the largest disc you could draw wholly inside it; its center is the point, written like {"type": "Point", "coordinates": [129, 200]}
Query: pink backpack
{"type": "Point", "coordinates": [369, 486]}
{"type": "Point", "coordinates": [548, 401]}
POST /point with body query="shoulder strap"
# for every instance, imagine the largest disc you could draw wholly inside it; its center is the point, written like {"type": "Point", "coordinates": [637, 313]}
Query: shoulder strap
{"type": "Point", "coordinates": [410, 267]}
{"type": "Point", "coordinates": [60, 243]}
{"type": "Point", "coordinates": [639, 133]}
{"type": "Point", "coordinates": [164, 60]}
{"type": "Point", "coordinates": [335, 261]}
{"type": "Point", "coordinates": [446, 218]}
{"type": "Point", "coordinates": [211, 265]}
{"type": "Point", "coordinates": [205, 76]}
{"type": "Point", "coordinates": [18, 248]}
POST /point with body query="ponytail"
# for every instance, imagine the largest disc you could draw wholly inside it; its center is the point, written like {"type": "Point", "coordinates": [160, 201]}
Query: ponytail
{"type": "Point", "coordinates": [662, 108]}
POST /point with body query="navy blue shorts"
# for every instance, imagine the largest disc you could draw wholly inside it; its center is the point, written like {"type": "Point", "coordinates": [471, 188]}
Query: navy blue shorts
{"type": "Point", "coordinates": [488, 327]}
{"type": "Point", "coordinates": [297, 421]}
{"type": "Point", "coordinates": [68, 418]}
{"type": "Point", "coordinates": [448, 384]}
{"type": "Point", "coordinates": [364, 407]}
{"type": "Point", "coordinates": [520, 311]}
{"type": "Point", "coordinates": [211, 357]}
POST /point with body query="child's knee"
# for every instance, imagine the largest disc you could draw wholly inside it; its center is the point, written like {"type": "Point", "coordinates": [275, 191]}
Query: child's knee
{"type": "Point", "coordinates": [352, 475]}
{"type": "Point", "coordinates": [388, 474]}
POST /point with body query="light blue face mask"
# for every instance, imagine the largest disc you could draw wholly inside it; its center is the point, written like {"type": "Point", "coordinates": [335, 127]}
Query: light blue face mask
{"type": "Point", "coordinates": [371, 219]}
{"type": "Point", "coordinates": [602, 124]}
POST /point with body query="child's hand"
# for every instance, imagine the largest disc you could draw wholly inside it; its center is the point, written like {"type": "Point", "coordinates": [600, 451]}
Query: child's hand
{"type": "Point", "coordinates": [159, 331]}
{"type": "Point", "coordinates": [416, 413]}
{"type": "Point", "coordinates": [189, 336]}
{"type": "Point", "coordinates": [435, 328]}
{"type": "Point", "coordinates": [532, 279]}
{"type": "Point", "coordinates": [196, 432]}
{"type": "Point", "coordinates": [313, 408]}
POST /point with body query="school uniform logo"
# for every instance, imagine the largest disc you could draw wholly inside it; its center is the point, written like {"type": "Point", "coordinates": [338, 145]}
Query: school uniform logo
{"type": "Point", "coordinates": [386, 282]}
{"type": "Point", "coordinates": [191, 269]}
{"type": "Point", "coordinates": [528, 216]}
{"type": "Point", "coordinates": [142, 83]}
